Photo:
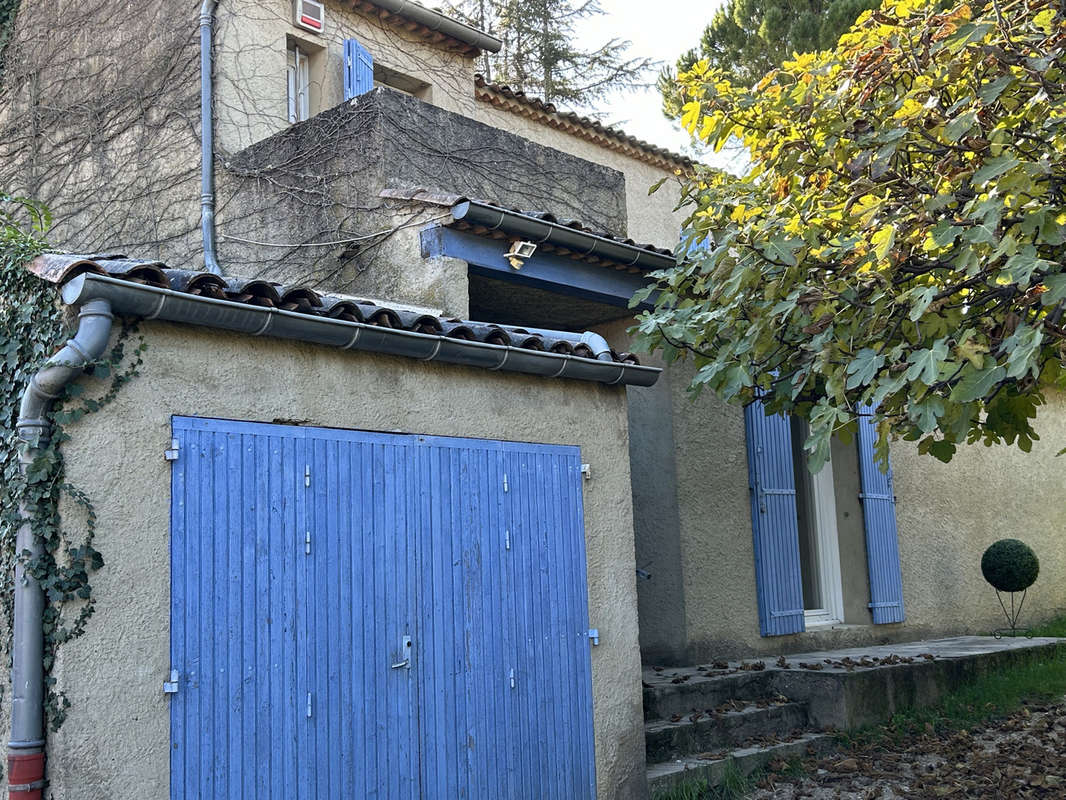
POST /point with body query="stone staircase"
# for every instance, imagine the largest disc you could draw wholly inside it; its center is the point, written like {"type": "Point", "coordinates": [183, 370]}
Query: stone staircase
{"type": "Point", "coordinates": [698, 722]}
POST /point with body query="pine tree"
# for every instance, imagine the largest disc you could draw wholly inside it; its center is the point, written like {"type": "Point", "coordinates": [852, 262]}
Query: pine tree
{"type": "Point", "coordinates": [540, 56]}
{"type": "Point", "coordinates": [748, 38]}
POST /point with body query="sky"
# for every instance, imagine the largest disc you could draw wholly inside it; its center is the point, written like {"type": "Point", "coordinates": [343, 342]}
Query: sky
{"type": "Point", "coordinates": [662, 30]}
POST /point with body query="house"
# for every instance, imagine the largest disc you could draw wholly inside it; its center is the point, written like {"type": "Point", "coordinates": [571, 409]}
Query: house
{"type": "Point", "coordinates": [379, 205]}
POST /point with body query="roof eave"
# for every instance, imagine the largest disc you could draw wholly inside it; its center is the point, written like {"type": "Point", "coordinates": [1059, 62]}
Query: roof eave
{"type": "Point", "coordinates": [611, 138]}
{"type": "Point", "coordinates": [580, 242]}
{"type": "Point", "coordinates": [157, 303]}
{"type": "Point", "coordinates": [436, 23]}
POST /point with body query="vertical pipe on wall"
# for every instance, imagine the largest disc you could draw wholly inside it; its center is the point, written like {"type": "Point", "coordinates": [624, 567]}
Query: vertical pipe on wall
{"type": "Point", "coordinates": [25, 753]}
{"type": "Point", "coordinates": [207, 138]}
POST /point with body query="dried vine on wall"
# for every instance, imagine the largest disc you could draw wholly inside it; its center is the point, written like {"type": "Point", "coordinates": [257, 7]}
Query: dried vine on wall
{"type": "Point", "coordinates": [32, 327]}
{"type": "Point", "coordinates": [101, 122]}
{"type": "Point", "coordinates": [8, 9]}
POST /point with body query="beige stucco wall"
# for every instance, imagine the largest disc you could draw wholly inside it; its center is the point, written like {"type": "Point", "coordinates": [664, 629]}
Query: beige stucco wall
{"type": "Point", "coordinates": [652, 219]}
{"type": "Point", "coordinates": [115, 743]}
{"type": "Point", "coordinates": [251, 62]}
{"type": "Point", "coordinates": [656, 511]}
{"type": "Point", "coordinates": [947, 515]}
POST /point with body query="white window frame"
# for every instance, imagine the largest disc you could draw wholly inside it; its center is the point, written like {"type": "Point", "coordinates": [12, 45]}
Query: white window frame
{"type": "Point", "coordinates": [823, 500]}
{"type": "Point", "coordinates": [298, 75]}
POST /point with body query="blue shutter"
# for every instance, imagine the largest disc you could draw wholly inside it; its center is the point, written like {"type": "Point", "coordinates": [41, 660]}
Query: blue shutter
{"type": "Point", "coordinates": [775, 528]}
{"type": "Point", "coordinates": [358, 69]}
{"type": "Point", "coordinates": [879, 521]}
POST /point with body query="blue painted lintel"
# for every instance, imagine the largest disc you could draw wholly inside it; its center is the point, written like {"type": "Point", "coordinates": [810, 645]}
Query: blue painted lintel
{"type": "Point", "coordinates": [485, 257]}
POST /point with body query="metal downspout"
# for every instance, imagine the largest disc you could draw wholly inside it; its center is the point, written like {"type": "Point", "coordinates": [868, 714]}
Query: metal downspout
{"type": "Point", "coordinates": [25, 754]}
{"type": "Point", "coordinates": [207, 138]}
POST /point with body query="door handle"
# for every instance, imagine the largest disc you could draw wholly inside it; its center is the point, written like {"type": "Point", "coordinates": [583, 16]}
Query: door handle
{"type": "Point", "coordinates": [405, 649]}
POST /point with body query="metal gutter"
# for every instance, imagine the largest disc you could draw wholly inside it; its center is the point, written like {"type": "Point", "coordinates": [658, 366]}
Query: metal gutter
{"type": "Point", "coordinates": [542, 231]}
{"type": "Point", "coordinates": [151, 302]}
{"type": "Point", "coordinates": [439, 23]}
{"type": "Point", "coordinates": [25, 755]}
{"type": "Point", "coordinates": [207, 138]}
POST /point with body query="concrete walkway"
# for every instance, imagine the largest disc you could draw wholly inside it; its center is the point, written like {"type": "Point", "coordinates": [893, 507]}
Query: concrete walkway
{"type": "Point", "coordinates": [940, 649]}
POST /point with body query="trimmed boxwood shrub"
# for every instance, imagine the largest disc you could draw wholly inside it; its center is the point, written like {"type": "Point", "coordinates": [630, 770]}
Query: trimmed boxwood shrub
{"type": "Point", "coordinates": [1010, 565]}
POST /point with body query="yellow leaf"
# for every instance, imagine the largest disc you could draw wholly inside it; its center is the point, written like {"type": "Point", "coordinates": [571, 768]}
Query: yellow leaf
{"type": "Point", "coordinates": [690, 116]}
{"type": "Point", "coordinates": [707, 129]}
{"type": "Point", "coordinates": [738, 213]}
{"type": "Point", "coordinates": [769, 76]}
{"type": "Point", "coordinates": [910, 109]}
{"type": "Point", "coordinates": [904, 8]}
{"type": "Point", "coordinates": [883, 241]}
{"type": "Point", "coordinates": [801, 61]}
{"type": "Point", "coordinates": [1043, 20]}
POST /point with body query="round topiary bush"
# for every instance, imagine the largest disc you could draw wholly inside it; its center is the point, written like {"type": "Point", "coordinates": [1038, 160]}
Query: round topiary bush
{"type": "Point", "coordinates": [1010, 565]}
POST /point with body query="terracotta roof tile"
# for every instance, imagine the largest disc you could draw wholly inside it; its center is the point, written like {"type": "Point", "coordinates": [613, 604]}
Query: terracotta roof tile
{"type": "Point", "coordinates": [516, 100]}
{"type": "Point", "coordinates": [60, 268]}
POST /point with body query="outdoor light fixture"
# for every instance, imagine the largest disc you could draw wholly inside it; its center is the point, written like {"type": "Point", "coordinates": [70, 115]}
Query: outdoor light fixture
{"type": "Point", "coordinates": [519, 252]}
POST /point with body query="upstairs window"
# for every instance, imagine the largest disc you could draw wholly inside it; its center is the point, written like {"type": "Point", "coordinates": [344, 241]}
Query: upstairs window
{"type": "Point", "coordinates": [299, 84]}
{"type": "Point", "coordinates": [398, 81]}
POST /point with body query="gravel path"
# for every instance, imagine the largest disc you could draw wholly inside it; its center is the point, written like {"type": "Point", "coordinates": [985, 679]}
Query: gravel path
{"type": "Point", "coordinates": [1022, 756]}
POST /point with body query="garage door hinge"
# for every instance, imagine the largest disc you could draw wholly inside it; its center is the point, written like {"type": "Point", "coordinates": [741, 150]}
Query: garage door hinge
{"type": "Point", "coordinates": [586, 471]}
{"type": "Point", "coordinates": [594, 636]}
{"type": "Point", "coordinates": [505, 481]}
{"type": "Point", "coordinates": [512, 678]}
{"type": "Point", "coordinates": [507, 539]}
{"type": "Point", "coordinates": [307, 475]}
{"type": "Point", "coordinates": [171, 686]}
{"type": "Point", "coordinates": [307, 543]}
{"type": "Point", "coordinates": [172, 453]}
{"type": "Point", "coordinates": [308, 705]}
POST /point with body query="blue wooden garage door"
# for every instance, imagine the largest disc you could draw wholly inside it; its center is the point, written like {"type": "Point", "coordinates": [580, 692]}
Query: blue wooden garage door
{"type": "Point", "coordinates": [373, 615]}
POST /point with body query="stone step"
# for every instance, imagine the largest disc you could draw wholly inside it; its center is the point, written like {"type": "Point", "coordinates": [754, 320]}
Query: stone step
{"type": "Point", "coordinates": [695, 690]}
{"type": "Point", "coordinates": [666, 775]}
{"type": "Point", "coordinates": [727, 727]}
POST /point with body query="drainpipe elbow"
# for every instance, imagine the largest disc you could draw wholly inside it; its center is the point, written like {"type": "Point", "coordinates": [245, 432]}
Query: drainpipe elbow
{"type": "Point", "coordinates": [88, 344]}
{"type": "Point", "coordinates": [207, 10]}
{"type": "Point", "coordinates": [598, 344]}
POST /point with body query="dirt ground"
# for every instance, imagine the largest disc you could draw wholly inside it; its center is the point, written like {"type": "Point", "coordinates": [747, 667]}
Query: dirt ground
{"type": "Point", "coordinates": [1022, 756]}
